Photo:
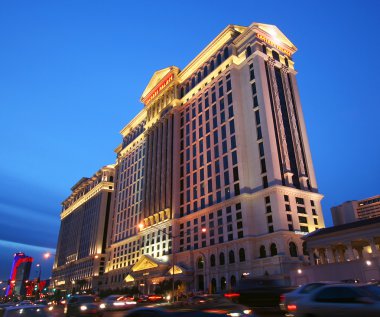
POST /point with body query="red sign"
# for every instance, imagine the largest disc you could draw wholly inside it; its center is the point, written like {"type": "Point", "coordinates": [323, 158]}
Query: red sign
{"type": "Point", "coordinates": [158, 88]}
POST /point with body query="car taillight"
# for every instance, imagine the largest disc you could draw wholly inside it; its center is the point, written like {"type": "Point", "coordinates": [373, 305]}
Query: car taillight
{"type": "Point", "coordinates": [292, 307]}
{"type": "Point", "coordinates": [231, 295]}
{"type": "Point", "coordinates": [282, 298]}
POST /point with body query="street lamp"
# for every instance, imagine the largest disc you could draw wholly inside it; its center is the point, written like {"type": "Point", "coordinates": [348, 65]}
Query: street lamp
{"type": "Point", "coordinates": [141, 226]}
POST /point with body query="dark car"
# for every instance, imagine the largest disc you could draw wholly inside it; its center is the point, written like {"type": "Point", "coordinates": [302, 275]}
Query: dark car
{"type": "Point", "coordinates": [84, 305]}
{"type": "Point", "coordinates": [24, 310]}
{"type": "Point", "coordinates": [264, 292]}
{"type": "Point", "coordinates": [344, 300]}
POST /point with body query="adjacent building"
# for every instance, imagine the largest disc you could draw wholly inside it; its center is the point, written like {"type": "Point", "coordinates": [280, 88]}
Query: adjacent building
{"type": "Point", "coordinates": [80, 253]}
{"type": "Point", "coordinates": [355, 210]}
{"type": "Point", "coordinates": [214, 180]}
{"type": "Point", "coordinates": [348, 252]}
{"type": "Point", "coordinates": [19, 274]}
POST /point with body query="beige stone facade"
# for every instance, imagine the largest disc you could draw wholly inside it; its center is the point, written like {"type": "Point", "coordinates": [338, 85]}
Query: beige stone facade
{"type": "Point", "coordinates": [217, 170]}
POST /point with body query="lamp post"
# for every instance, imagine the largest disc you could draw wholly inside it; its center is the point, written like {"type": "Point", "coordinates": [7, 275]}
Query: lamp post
{"type": "Point", "coordinates": [141, 226]}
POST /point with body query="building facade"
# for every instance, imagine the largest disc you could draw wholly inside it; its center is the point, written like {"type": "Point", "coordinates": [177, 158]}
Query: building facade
{"type": "Point", "coordinates": [348, 252]}
{"type": "Point", "coordinates": [355, 210]}
{"type": "Point", "coordinates": [216, 169]}
{"type": "Point", "coordinates": [80, 253]}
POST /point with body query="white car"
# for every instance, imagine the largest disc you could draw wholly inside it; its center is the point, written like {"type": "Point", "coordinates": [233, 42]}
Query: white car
{"type": "Point", "coordinates": [298, 293]}
{"type": "Point", "coordinates": [118, 302]}
{"type": "Point", "coordinates": [338, 300]}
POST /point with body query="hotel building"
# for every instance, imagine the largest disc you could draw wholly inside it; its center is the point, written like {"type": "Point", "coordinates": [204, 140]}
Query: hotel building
{"type": "Point", "coordinates": [216, 168]}
{"type": "Point", "coordinates": [355, 210]}
{"type": "Point", "coordinates": [80, 253]}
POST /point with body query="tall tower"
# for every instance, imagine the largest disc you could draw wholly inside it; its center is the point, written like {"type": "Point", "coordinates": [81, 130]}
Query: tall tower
{"type": "Point", "coordinates": [82, 240]}
{"type": "Point", "coordinates": [217, 168]}
{"type": "Point", "coordinates": [19, 274]}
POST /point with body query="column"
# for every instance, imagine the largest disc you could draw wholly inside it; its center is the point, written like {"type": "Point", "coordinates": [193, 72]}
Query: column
{"type": "Point", "coordinates": [294, 127]}
{"type": "Point", "coordinates": [350, 252]}
{"type": "Point", "coordinates": [374, 249]}
{"type": "Point", "coordinates": [279, 122]}
{"type": "Point", "coordinates": [330, 255]}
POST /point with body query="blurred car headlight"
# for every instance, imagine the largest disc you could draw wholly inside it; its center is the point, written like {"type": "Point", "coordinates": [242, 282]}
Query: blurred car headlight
{"type": "Point", "coordinates": [65, 310]}
{"type": "Point", "coordinates": [102, 306]}
{"type": "Point", "coordinates": [247, 311]}
{"type": "Point", "coordinates": [51, 308]}
{"type": "Point", "coordinates": [234, 314]}
{"type": "Point", "coordinates": [83, 307]}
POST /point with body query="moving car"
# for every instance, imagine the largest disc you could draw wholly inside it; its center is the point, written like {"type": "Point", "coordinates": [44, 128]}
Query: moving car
{"type": "Point", "coordinates": [118, 302]}
{"type": "Point", "coordinates": [299, 293]}
{"type": "Point", "coordinates": [261, 292]}
{"type": "Point", "coordinates": [216, 304]}
{"type": "Point", "coordinates": [84, 305]}
{"type": "Point", "coordinates": [165, 312]}
{"type": "Point", "coordinates": [338, 300]}
{"type": "Point", "coordinates": [24, 310]}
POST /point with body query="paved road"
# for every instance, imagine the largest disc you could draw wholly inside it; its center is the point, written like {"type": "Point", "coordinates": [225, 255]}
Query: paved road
{"type": "Point", "coordinates": [260, 312]}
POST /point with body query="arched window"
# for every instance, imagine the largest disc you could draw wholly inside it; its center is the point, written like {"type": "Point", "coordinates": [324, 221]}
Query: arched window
{"type": "Point", "coordinates": [199, 79]}
{"type": "Point", "coordinates": [304, 248]}
{"type": "Point", "coordinates": [221, 258]}
{"type": "Point", "coordinates": [187, 87]}
{"type": "Point", "coordinates": [293, 249]}
{"type": "Point", "coordinates": [233, 281]}
{"type": "Point", "coordinates": [276, 56]}
{"type": "Point", "coordinates": [248, 51]}
{"type": "Point", "coordinates": [264, 49]}
{"type": "Point", "coordinates": [212, 260]}
{"type": "Point", "coordinates": [226, 53]}
{"type": "Point", "coordinates": [273, 249]}
{"type": "Point", "coordinates": [223, 283]}
{"type": "Point", "coordinates": [182, 91]}
{"type": "Point", "coordinates": [205, 71]}
{"type": "Point", "coordinates": [231, 257]}
{"type": "Point", "coordinates": [193, 82]}
{"type": "Point", "coordinates": [212, 66]}
{"type": "Point", "coordinates": [263, 252]}
{"type": "Point", "coordinates": [200, 263]}
{"type": "Point", "coordinates": [213, 286]}
{"type": "Point", "coordinates": [218, 60]}
{"type": "Point", "coordinates": [241, 255]}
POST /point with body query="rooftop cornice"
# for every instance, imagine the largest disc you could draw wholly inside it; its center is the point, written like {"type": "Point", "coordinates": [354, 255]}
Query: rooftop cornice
{"type": "Point", "coordinates": [140, 117]}
{"type": "Point", "coordinates": [210, 50]}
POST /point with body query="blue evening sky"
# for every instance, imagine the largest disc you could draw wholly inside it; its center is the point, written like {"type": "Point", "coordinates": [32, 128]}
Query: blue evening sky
{"type": "Point", "coordinates": [72, 72]}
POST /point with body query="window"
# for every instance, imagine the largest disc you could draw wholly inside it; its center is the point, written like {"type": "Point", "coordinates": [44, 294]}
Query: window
{"type": "Point", "coordinates": [273, 249]}
{"type": "Point", "coordinates": [231, 257]}
{"type": "Point", "coordinates": [263, 252]}
{"type": "Point", "coordinates": [293, 249]}
{"type": "Point", "coordinates": [212, 260]}
{"type": "Point", "coordinates": [276, 56]}
{"type": "Point", "coordinates": [200, 263]}
{"type": "Point", "coordinates": [241, 255]}
{"type": "Point", "coordinates": [300, 201]}
{"type": "Point", "coordinates": [302, 219]}
{"type": "Point", "coordinates": [223, 283]}
{"type": "Point", "coordinates": [337, 295]}
{"type": "Point", "coordinates": [221, 259]}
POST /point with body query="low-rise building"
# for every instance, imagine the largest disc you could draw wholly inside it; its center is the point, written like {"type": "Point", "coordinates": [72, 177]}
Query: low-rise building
{"type": "Point", "coordinates": [348, 252]}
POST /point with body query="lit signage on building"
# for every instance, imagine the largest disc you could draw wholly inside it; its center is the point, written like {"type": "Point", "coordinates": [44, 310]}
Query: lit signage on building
{"type": "Point", "coordinates": [266, 40]}
{"type": "Point", "coordinates": [159, 87]}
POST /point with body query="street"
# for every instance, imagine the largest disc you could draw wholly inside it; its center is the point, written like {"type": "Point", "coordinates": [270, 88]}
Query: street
{"type": "Point", "coordinates": [259, 312]}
